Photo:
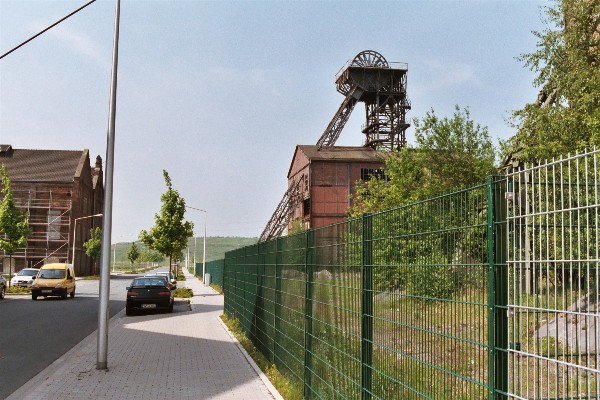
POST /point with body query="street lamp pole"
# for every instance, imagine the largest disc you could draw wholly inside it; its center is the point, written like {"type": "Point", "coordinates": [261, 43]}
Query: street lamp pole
{"type": "Point", "coordinates": [75, 235]}
{"type": "Point", "coordinates": [104, 291]}
{"type": "Point", "coordinates": [204, 250]}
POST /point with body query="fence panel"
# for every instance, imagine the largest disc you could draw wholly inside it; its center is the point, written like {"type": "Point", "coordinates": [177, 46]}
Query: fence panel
{"type": "Point", "coordinates": [430, 299]}
{"type": "Point", "coordinates": [553, 299]}
{"type": "Point", "coordinates": [215, 269]}
{"type": "Point", "coordinates": [335, 336]}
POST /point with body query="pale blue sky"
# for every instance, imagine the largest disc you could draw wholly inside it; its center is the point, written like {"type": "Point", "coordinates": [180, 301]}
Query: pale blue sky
{"type": "Point", "coordinates": [219, 93]}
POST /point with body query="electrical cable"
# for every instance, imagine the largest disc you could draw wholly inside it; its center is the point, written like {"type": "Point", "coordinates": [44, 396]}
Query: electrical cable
{"type": "Point", "coordinates": [48, 28]}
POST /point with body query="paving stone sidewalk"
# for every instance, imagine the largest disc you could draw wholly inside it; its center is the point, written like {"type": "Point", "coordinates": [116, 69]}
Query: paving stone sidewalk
{"type": "Point", "coordinates": [184, 355]}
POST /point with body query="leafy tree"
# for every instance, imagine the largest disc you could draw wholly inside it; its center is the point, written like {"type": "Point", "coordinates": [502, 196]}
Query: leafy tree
{"type": "Point", "coordinates": [449, 153]}
{"type": "Point", "coordinates": [151, 256]}
{"type": "Point", "coordinates": [14, 227]}
{"type": "Point", "coordinates": [133, 254]}
{"type": "Point", "coordinates": [93, 245]}
{"type": "Point", "coordinates": [170, 232]}
{"type": "Point", "coordinates": [566, 115]}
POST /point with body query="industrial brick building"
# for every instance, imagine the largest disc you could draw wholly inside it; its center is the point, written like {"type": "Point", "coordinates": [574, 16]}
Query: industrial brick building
{"type": "Point", "coordinates": [326, 179]}
{"type": "Point", "coordinates": [54, 188]}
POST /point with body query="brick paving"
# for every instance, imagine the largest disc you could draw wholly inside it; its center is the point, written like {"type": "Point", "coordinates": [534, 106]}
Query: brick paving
{"type": "Point", "coordinates": [181, 356]}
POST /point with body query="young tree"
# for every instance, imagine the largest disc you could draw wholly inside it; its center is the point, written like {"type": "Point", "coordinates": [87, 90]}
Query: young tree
{"type": "Point", "coordinates": [93, 245]}
{"type": "Point", "coordinates": [170, 232]}
{"type": "Point", "coordinates": [14, 227]}
{"type": "Point", "coordinates": [133, 254]}
{"type": "Point", "coordinates": [449, 153]}
{"type": "Point", "coordinates": [566, 115]}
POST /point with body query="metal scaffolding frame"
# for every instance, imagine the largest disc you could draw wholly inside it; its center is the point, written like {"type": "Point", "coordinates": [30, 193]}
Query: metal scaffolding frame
{"type": "Point", "coordinates": [49, 216]}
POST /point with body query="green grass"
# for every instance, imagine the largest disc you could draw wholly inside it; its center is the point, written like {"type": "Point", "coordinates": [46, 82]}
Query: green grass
{"type": "Point", "coordinates": [184, 293]}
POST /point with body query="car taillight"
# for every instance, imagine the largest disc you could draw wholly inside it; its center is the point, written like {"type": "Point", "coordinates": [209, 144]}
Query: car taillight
{"type": "Point", "coordinates": [132, 294]}
{"type": "Point", "coordinates": [164, 293]}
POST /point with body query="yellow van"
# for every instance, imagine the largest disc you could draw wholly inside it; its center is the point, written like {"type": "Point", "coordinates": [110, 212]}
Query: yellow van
{"type": "Point", "coordinates": [54, 280]}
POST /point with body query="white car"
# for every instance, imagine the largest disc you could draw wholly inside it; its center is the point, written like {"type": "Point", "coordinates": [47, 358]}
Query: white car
{"type": "Point", "coordinates": [24, 277]}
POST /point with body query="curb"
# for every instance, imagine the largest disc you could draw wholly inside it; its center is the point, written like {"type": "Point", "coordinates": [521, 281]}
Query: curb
{"type": "Point", "coordinates": [258, 371]}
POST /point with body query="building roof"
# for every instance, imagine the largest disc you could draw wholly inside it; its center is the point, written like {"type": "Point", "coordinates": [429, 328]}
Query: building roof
{"type": "Point", "coordinates": [24, 165]}
{"type": "Point", "coordinates": [341, 153]}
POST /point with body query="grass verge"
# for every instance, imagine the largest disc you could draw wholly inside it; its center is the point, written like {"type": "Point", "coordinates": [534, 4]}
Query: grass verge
{"type": "Point", "coordinates": [286, 389]}
{"type": "Point", "coordinates": [184, 293]}
{"type": "Point", "coordinates": [18, 290]}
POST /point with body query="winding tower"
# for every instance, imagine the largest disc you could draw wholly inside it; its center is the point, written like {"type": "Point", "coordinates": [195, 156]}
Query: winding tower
{"type": "Point", "coordinates": [370, 79]}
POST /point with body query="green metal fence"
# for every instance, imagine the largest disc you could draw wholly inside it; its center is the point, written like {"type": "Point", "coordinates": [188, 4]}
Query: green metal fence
{"type": "Point", "coordinates": [214, 268]}
{"type": "Point", "coordinates": [457, 297]}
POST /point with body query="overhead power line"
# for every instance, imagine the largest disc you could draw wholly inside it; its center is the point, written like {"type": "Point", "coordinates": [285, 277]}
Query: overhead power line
{"type": "Point", "coordinates": [47, 29]}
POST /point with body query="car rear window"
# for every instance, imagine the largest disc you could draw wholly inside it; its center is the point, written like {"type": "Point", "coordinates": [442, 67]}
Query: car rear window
{"type": "Point", "coordinates": [148, 282]}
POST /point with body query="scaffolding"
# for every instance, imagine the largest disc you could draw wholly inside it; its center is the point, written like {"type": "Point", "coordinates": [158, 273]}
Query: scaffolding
{"type": "Point", "coordinates": [49, 214]}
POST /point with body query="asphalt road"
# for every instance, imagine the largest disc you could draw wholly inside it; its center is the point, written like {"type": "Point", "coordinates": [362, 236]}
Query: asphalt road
{"type": "Point", "coordinates": [33, 334]}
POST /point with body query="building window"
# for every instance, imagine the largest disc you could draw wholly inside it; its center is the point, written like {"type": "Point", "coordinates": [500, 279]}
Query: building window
{"type": "Point", "coordinates": [54, 222]}
{"type": "Point", "coordinates": [306, 208]}
{"type": "Point", "coordinates": [367, 173]}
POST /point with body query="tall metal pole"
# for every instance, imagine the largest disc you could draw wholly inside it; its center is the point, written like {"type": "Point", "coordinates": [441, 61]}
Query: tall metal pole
{"type": "Point", "coordinates": [103, 314]}
{"type": "Point", "coordinates": [204, 250]}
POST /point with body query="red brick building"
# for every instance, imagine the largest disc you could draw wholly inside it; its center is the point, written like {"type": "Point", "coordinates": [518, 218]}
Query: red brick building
{"type": "Point", "coordinates": [53, 188]}
{"type": "Point", "coordinates": [327, 178]}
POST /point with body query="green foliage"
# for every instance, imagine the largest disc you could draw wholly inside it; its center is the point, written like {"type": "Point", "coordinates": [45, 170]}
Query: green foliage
{"type": "Point", "coordinates": [566, 115]}
{"type": "Point", "coordinates": [150, 256]}
{"type": "Point", "coordinates": [449, 153]}
{"type": "Point", "coordinates": [93, 245]}
{"type": "Point", "coordinates": [170, 233]}
{"type": "Point", "coordinates": [14, 227]}
{"type": "Point", "coordinates": [133, 253]}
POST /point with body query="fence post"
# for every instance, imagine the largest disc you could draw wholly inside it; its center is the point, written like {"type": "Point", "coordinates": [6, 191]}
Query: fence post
{"type": "Point", "coordinates": [497, 287]}
{"type": "Point", "coordinates": [277, 317]}
{"type": "Point", "coordinates": [308, 312]}
{"type": "Point", "coordinates": [366, 376]}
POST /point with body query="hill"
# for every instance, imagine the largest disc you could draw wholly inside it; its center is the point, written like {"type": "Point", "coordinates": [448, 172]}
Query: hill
{"type": "Point", "coordinates": [216, 246]}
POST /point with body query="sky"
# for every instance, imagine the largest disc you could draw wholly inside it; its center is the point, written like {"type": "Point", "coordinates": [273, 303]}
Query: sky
{"type": "Point", "coordinates": [219, 93]}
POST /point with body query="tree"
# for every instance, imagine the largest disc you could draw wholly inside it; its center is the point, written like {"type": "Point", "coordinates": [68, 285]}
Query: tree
{"type": "Point", "coordinates": [170, 232]}
{"type": "Point", "coordinates": [449, 153]}
{"type": "Point", "coordinates": [14, 227]}
{"type": "Point", "coordinates": [133, 254]}
{"type": "Point", "coordinates": [93, 245]}
{"type": "Point", "coordinates": [566, 115]}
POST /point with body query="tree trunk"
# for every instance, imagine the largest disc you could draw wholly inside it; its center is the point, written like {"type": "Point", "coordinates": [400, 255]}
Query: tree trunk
{"type": "Point", "coordinates": [9, 268]}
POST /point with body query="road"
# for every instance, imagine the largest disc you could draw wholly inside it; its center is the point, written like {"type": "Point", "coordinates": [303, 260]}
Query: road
{"type": "Point", "coordinates": [33, 334]}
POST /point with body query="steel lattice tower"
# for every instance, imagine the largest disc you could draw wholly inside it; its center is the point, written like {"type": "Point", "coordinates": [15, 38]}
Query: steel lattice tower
{"type": "Point", "coordinates": [370, 79]}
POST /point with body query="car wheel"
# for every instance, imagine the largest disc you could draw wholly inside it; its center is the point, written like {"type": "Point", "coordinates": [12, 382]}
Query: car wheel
{"type": "Point", "coordinates": [73, 293]}
{"type": "Point", "coordinates": [171, 308]}
{"type": "Point", "coordinates": [2, 292]}
{"type": "Point", "coordinates": [34, 297]}
{"type": "Point", "coordinates": [64, 295]}
{"type": "Point", "coordinates": [128, 311]}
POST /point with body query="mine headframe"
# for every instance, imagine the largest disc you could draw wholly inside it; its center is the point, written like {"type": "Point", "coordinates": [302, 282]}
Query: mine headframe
{"type": "Point", "coordinates": [370, 79]}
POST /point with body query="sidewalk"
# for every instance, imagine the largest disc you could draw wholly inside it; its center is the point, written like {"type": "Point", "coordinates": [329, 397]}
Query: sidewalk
{"type": "Point", "coordinates": [185, 355]}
